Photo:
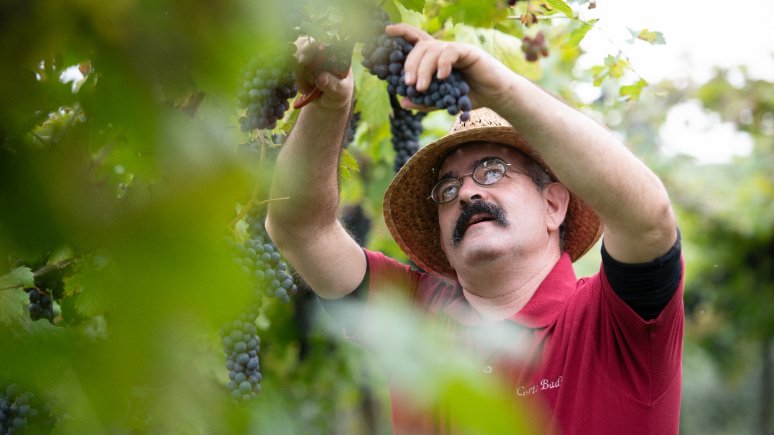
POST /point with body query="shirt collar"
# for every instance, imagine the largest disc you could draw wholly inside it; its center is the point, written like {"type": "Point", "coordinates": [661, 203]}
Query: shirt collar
{"type": "Point", "coordinates": [541, 310]}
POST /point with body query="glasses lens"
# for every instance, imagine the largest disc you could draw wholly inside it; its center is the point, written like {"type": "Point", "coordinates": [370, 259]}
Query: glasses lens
{"type": "Point", "coordinates": [446, 190]}
{"type": "Point", "coordinates": [489, 171]}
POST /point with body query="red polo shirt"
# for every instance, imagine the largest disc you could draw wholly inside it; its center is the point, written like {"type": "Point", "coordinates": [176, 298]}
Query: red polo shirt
{"type": "Point", "coordinates": [589, 361]}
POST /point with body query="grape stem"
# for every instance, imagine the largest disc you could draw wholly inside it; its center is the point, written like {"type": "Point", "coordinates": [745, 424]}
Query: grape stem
{"type": "Point", "coordinates": [44, 270]}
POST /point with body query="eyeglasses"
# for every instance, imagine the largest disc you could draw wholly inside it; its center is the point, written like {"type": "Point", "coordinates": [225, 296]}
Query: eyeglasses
{"type": "Point", "coordinates": [488, 172]}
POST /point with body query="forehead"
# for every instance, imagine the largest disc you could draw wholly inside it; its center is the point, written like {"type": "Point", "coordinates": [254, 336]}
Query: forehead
{"type": "Point", "coordinates": [465, 155]}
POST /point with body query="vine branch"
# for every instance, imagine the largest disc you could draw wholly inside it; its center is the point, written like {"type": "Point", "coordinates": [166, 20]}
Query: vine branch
{"type": "Point", "coordinates": [44, 270]}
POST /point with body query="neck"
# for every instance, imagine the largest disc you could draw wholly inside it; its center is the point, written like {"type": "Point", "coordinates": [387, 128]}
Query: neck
{"type": "Point", "coordinates": [497, 292]}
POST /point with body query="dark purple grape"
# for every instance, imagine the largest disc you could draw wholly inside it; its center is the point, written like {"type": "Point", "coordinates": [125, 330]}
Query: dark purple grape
{"type": "Point", "coordinates": [406, 127]}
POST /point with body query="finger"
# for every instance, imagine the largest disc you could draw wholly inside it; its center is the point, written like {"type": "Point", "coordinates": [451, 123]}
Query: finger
{"type": "Point", "coordinates": [427, 68]}
{"type": "Point", "coordinates": [412, 62]}
{"type": "Point", "coordinates": [445, 63]}
{"type": "Point", "coordinates": [409, 33]}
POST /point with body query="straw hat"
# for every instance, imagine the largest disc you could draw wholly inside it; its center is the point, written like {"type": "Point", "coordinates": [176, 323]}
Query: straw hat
{"type": "Point", "coordinates": [412, 217]}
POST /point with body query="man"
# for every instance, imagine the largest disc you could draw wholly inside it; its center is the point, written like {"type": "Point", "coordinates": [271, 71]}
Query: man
{"type": "Point", "coordinates": [482, 211]}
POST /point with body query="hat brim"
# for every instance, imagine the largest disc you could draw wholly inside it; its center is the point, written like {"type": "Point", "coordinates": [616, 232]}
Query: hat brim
{"type": "Point", "coordinates": [412, 217]}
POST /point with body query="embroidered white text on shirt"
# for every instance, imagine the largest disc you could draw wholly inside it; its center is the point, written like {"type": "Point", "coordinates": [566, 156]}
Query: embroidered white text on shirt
{"type": "Point", "coordinates": [544, 384]}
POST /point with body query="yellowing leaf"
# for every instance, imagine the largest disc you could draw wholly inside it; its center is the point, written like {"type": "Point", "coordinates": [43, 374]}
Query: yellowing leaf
{"type": "Point", "coordinates": [617, 69]}
{"type": "Point", "coordinates": [633, 91]}
{"type": "Point", "coordinates": [562, 6]}
{"type": "Point", "coordinates": [651, 36]}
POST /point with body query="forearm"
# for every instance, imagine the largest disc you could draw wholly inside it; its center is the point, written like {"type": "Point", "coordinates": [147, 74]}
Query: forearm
{"type": "Point", "coordinates": [305, 174]}
{"type": "Point", "coordinates": [596, 166]}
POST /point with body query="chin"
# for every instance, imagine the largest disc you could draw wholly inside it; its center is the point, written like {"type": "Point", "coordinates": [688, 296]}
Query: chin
{"type": "Point", "coordinates": [478, 252]}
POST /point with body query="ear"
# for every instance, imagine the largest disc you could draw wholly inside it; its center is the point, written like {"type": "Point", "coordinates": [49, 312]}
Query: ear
{"type": "Point", "coordinates": [557, 199]}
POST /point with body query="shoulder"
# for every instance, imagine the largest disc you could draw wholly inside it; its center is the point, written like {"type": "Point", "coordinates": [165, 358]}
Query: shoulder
{"type": "Point", "coordinates": [387, 274]}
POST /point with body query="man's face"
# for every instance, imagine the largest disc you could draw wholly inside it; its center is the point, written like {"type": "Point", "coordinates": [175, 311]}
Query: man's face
{"type": "Point", "coordinates": [493, 222]}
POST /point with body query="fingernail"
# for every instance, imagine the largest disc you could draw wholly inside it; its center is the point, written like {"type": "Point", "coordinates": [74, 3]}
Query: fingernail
{"type": "Point", "coordinates": [421, 84]}
{"type": "Point", "coordinates": [408, 78]}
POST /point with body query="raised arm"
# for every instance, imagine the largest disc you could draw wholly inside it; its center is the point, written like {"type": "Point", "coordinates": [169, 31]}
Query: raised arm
{"type": "Point", "coordinates": [587, 158]}
{"type": "Point", "coordinates": [305, 227]}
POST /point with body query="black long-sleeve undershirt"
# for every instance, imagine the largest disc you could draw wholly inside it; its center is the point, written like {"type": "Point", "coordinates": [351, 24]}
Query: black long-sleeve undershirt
{"type": "Point", "coordinates": [646, 287]}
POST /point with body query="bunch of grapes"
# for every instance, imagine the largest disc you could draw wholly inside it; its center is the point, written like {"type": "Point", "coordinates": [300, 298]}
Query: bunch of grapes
{"type": "Point", "coordinates": [357, 223]}
{"type": "Point", "coordinates": [261, 259]}
{"type": "Point", "coordinates": [405, 127]}
{"type": "Point", "coordinates": [15, 410]}
{"type": "Point", "coordinates": [41, 305]}
{"type": "Point", "coordinates": [535, 47]}
{"type": "Point", "coordinates": [268, 86]}
{"type": "Point", "coordinates": [384, 57]}
{"type": "Point", "coordinates": [241, 345]}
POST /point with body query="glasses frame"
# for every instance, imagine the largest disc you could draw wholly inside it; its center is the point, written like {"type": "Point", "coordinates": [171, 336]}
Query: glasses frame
{"type": "Point", "coordinates": [459, 179]}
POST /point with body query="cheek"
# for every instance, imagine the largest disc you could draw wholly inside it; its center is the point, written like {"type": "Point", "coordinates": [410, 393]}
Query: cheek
{"type": "Point", "coordinates": [446, 222]}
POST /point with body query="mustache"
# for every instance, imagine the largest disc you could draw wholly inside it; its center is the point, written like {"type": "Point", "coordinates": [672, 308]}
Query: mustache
{"type": "Point", "coordinates": [467, 213]}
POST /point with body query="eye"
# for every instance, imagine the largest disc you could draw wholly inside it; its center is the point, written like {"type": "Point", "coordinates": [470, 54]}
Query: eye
{"type": "Point", "coordinates": [490, 172]}
{"type": "Point", "coordinates": [449, 192]}
{"type": "Point", "coordinates": [446, 190]}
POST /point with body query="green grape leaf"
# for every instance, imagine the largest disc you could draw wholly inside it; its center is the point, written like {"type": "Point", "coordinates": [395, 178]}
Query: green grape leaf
{"type": "Point", "coordinates": [414, 5]}
{"type": "Point", "coordinates": [19, 277]}
{"type": "Point", "coordinates": [13, 304]}
{"type": "Point", "coordinates": [633, 91]}
{"type": "Point", "coordinates": [372, 101]}
{"type": "Point", "coordinates": [348, 165]}
{"type": "Point", "coordinates": [473, 12]}
{"type": "Point", "coordinates": [649, 36]}
{"type": "Point", "coordinates": [575, 37]}
{"type": "Point", "coordinates": [562, 6]}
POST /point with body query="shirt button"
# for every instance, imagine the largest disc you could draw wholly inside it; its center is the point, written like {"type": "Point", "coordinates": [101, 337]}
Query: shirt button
{"type": "Point", "coordinates": [487, 370]}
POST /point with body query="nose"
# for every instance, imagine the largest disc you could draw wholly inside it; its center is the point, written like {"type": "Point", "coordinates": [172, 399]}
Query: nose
{"type": "Point", "coordinates": [470, 191]}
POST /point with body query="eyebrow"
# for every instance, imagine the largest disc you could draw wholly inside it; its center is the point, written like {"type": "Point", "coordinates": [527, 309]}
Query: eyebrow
{"type": "Point", "coordinates": [472, 166]}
